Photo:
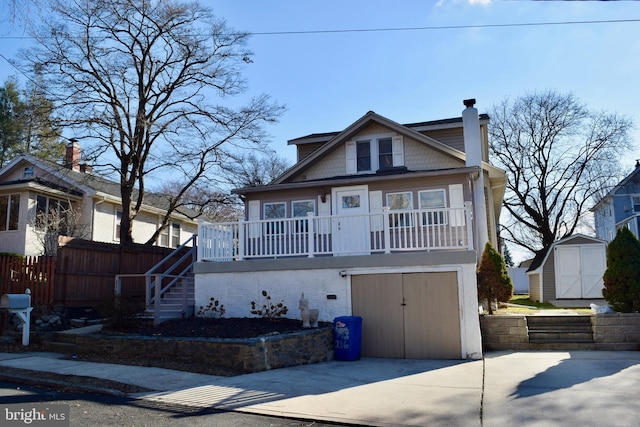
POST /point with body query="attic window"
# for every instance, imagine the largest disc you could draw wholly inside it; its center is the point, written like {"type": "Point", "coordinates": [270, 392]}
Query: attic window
{"type": "Point", "coordinates": [28, 173]}
{"type": "Point", "coordinates": [376, 153]}
{"type": "Point", "coordinates": [636, 203]}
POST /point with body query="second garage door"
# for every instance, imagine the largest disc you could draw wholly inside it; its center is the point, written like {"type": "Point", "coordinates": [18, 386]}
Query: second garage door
{"type": "Point", "coordinates": [408, 315]}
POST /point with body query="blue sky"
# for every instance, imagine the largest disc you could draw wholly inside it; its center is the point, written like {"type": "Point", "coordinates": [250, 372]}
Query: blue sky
{"type": "Point", "coordinates": [329, 80]}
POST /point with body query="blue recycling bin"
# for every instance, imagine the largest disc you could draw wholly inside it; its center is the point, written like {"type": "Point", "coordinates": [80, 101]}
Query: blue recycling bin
{"type": "Point", "coordinates": [347, 335]}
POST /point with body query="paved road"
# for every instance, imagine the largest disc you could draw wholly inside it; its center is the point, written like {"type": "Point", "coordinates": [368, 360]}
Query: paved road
{"type": "Point", "coordinates": [92, 410]}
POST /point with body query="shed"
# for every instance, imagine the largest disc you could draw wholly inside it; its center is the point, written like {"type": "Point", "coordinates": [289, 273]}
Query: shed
{"type": "Point", "coordinates": [571, 268]}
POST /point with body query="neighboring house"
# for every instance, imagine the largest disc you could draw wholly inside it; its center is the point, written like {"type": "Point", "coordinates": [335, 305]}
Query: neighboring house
{"type": "Point", "coordinates": [381, 220]}
{"type": "Point", "coordinates": [29, 187]}
{"type": "Point", "coordinates": [571, 268]}
{"type": "Point", "coordinates": [620, 207]}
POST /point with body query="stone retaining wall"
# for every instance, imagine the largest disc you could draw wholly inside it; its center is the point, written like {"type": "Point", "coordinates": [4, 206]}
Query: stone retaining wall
{"type": "Point", "coordinates": [617, 331]}
{"type": "Point", "coordinates": [240, 355]}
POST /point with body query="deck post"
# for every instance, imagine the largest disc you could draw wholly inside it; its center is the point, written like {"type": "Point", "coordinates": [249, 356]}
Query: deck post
{"type": "Point", "coordinates": [310, 235]}
{"type": "Point", "coordinates": [240, 241]}
{"type": "Point", "coordinates": [387, 230]}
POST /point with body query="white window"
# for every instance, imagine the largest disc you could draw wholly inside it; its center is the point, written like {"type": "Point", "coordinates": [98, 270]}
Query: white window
{"type": "Point", "coordinates": [52, 213]}
{"type": "Point", "coordinates": [116, 229]}
{"type": "Point", "coordinates": [399, 202]}
{"type": "Point", "coordinates": [300, 209]}
{"type": "Point", "coordinates": [635, 200]}
{"type": "Point", "coordinates": [170, 236]}
{"type": "Point", "coordinates": [175, 234]}
{"type": "Point", "coordinates": [273, 211]}
{"type": "Point", "coordinates": [28, 172]}
{"type": "Point", "coordinates": [9, 212]}
{"type": "Point", "coordinates": [374, 153]}
{"type": "Point", "coordinates": [433, 199]}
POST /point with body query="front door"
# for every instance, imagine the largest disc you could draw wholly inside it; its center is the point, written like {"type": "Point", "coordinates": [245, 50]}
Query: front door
{"type": "Point", "coordinates": [351, 231]}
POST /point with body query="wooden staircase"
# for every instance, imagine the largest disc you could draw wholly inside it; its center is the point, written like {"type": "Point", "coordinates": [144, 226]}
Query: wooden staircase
{"type": "Point", "coordinates": [572, 332]}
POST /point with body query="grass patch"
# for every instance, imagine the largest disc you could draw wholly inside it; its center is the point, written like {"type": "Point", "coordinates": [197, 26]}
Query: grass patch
{"type": "Point", "coordinates": [525, 300]}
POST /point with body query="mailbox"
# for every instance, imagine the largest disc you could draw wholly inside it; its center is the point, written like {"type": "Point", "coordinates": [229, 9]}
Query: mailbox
{"type": "Point", "coordinates": [15, 301]}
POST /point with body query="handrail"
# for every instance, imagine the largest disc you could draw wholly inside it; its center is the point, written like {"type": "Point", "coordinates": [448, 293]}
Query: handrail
{"type": "Point", "coordinates": [154, 280]}
{"type": "Point", "coordinates": [384, 231]}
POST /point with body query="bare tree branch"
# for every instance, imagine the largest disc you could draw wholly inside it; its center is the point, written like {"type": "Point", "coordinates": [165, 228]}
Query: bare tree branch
{"type": "Point", "coordinates": [560, 157]}
{"type": "Point", "coordinates": [137, 81]}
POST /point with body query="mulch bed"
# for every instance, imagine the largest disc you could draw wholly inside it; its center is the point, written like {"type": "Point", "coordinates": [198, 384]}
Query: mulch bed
{"type": "Point", "coordinates": [197, 327]}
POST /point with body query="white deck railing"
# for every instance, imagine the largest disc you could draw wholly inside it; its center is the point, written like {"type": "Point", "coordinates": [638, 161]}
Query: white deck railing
{"type": "Point", "coordinates": [383, 232]}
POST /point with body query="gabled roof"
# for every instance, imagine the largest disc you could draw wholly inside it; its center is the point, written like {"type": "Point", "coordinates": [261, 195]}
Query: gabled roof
{"type": "Point", "coordinates": [87, 184]}
{"type": "Point", "coordinates": [633, 175]}
{"type": "Point", "coordinates": [541, 256]}
{"type": "Point", "coordinates": [421, 126]}
{"type": "Point", "coordinates": [346, 134]}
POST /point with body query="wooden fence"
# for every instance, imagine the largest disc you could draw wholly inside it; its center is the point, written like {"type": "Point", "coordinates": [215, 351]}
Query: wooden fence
{"type": "Point", "coordinates": [85, 271]}
{"type": "Point", "coordinates": [35, 273]}
{"type": "Point", "coordinates": [82, 275]}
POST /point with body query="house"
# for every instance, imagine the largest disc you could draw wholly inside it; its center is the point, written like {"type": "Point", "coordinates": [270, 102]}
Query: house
{"type": "Point", "coordinates": [29, 187]}
{"type": "Point", "coordinates": [571, 268]}
{"type": "Point", "coordinates": [380, 220]}
{"type": "Point", "coordinates": [620, 207]}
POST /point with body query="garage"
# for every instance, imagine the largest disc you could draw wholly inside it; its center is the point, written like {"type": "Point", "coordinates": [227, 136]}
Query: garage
{"type": "Point", "coordinates": [408, 315]}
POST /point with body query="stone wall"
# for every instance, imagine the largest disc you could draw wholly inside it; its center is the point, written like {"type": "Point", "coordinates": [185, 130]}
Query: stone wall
{"type": "Point", "coordinates": [504, 333]}
{"type": "Point", "coordinates": [617, 331]}
{"type": "Point", "coordinates": [240, 355]}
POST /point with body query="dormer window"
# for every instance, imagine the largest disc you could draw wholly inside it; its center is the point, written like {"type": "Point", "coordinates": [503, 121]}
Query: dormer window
{"type": "Point", "coordinates": [374, 153]}
{"type": "Point", "coordinates": [28, 173]}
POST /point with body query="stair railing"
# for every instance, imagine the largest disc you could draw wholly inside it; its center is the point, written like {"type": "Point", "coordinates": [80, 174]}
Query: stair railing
{"type": "Point", "coordinates": [156, 276]}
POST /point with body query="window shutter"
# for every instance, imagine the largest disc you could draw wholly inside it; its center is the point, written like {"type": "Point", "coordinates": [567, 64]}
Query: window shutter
{"type": "Point", "coordinates": [375, 206]}
{"type": "Point", "coordinates": [398, 150]}
{"type": "Point", "coordinates": [351, 156]}
{"type": "Point", "coordinates": [456, 200]}
{"type": "Point", "coordinates": [254, 215]}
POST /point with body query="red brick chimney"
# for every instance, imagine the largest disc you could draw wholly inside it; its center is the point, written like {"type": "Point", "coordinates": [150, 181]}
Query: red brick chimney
{"type": "Point", "coordinates": [72, 156]}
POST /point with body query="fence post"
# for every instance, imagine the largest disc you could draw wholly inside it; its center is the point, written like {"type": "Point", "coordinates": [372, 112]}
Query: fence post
{"type": "Point", "coordinates": [241, 246]}
{"type": "Point", "coordinates": [156, 299]}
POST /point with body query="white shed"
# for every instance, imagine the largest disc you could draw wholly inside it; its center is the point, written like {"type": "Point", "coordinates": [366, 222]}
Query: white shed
{"type": "Point", "coordinates": [571, 268]}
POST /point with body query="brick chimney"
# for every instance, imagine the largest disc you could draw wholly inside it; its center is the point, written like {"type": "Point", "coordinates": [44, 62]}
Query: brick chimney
{"type": "Point", "coordinates": [72, 156]}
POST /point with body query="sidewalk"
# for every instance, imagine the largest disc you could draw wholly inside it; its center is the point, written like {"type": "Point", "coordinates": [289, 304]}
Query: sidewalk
{"type": "Point", "coordinates": [507, 388]}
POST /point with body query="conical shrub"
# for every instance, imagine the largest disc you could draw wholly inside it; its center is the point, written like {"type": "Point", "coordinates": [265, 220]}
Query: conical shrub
{"type": "Point", "coordinates": [622, 276]}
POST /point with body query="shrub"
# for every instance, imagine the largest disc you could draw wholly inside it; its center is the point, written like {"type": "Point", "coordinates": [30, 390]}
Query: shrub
{"type": "Point", "coordinates": [622, 276]}
{"type": "Point", "coordinates": [120, 312]}
{"type": "Point", "coordinates": [494, 282]}
{"type": "Point", "coordinates": [269, 310]}
{"type": "Point", "coordinates": [213, 309]}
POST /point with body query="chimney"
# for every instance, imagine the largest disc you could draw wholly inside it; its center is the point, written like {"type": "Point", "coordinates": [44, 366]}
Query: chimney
{"type": "Point", "coordinates": [473, 156]}
{"type": "Point", "coordinates": [471, 130]}
{"type": "Point", "coordinates": [72, 156]}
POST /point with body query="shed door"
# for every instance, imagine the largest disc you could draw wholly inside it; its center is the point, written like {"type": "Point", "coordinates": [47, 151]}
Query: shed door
{"type": "Point", "coordinates": [594, 264]}
{"type": "Point", "coordinates": [568, 276]}
{"type": "Point", "coordinates": [408, 315]}
{"type": "Point", "coordinates": [579, 271]}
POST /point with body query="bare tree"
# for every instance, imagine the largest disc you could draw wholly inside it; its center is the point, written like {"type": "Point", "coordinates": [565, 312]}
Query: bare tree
{"type": "Point", "coordinates": [60, 220]}
{"type": "Point", "coordinates": [252, 170]}
{"type": "Point", "coordinates": [136, 81]}
{"type": "Point", "coordinates": [559, 156]}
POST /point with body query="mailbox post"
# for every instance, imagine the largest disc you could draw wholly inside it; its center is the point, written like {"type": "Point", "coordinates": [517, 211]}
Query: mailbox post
{"type": "Point", "coordinates": [20, 305]}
